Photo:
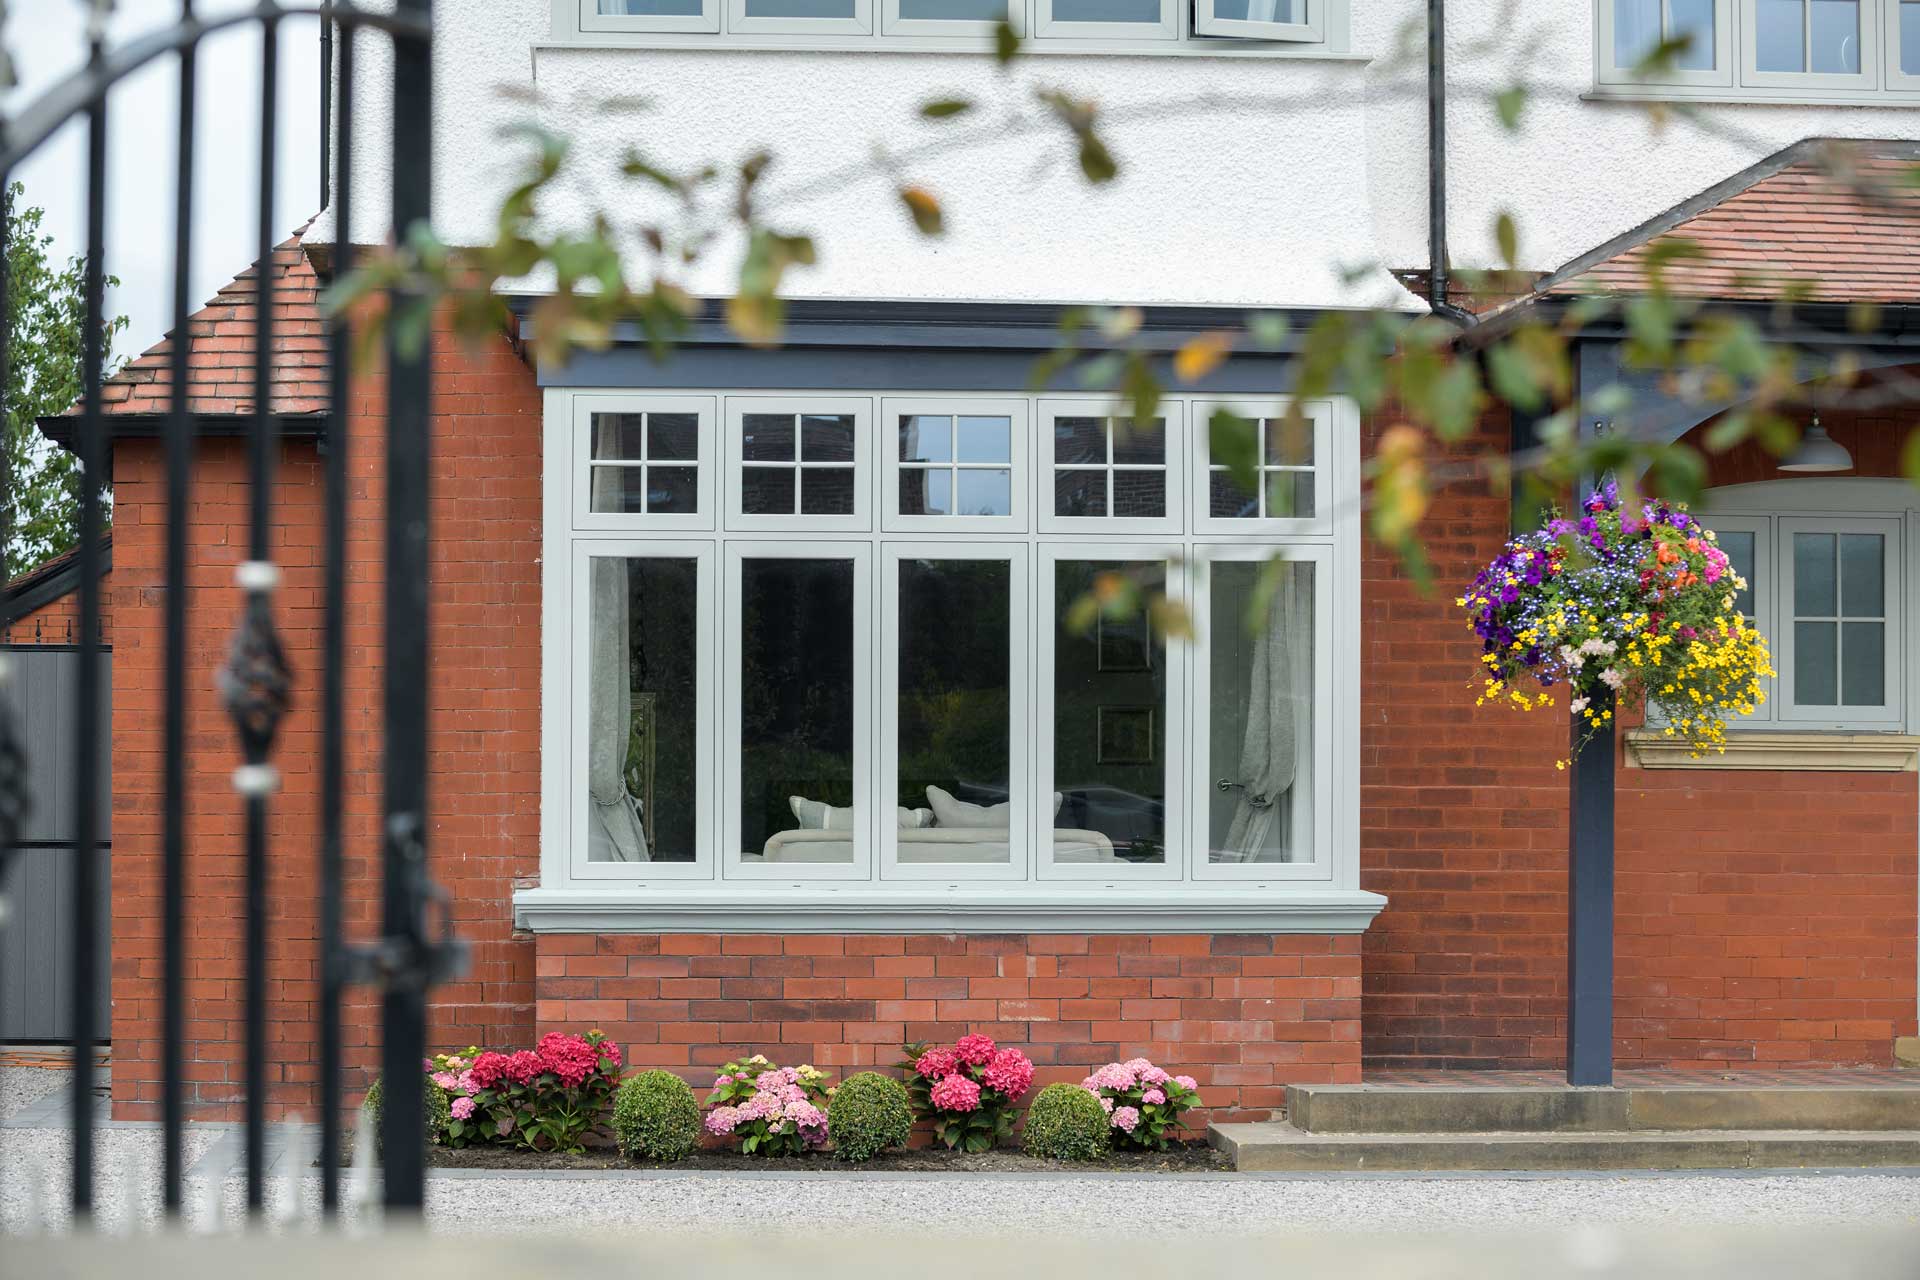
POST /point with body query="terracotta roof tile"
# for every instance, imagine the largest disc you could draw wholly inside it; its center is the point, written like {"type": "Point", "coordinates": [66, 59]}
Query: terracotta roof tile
{"type": "Point", "coordinates": [220, 354]}
{"type": "Point", "coordinates": [1838, 222]}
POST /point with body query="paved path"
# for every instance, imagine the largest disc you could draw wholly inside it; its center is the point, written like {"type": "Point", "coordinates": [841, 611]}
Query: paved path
{"type": "Point", "coordinates": [34, 1171]}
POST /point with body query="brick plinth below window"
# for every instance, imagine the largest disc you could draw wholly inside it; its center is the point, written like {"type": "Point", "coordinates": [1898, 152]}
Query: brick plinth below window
{"type": "Point", "coordinates": [1245, 1015]}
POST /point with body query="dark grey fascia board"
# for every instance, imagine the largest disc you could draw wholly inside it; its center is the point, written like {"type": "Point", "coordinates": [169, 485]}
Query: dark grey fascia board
{"type": "Point", "coordinates": [1813, 324]}
{"type": "Point", "coordinates": [46, 589]}
{"type": "Point", "coordinates": [973, 326]}
{"type": "Point", "coordinates": [64, 428]}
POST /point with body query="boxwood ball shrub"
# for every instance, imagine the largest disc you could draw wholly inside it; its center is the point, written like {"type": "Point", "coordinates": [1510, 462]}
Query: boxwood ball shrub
{"type": "Point", "coordinates": [1067, 1123]}
{"type": "Point", "coordinates": [656, 1117]}
{"type": "Point", "coordinates": [868, 1114]}
{"type": "Point", "coordinates": [434, 1104]}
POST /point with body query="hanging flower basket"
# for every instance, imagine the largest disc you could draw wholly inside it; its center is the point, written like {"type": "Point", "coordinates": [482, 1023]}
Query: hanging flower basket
{"type": "Point", "coordinates": [1620, 609]}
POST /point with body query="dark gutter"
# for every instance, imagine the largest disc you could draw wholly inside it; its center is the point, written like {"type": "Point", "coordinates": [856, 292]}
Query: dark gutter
{"type": "Point", "coordinates": [1437, 169]}
{"type": "Point", "coordinates": [61, 428]}
{"type": "Point", "coordinates": [934, 325]}
{"type": "Point", "coordinates": [51, 581]}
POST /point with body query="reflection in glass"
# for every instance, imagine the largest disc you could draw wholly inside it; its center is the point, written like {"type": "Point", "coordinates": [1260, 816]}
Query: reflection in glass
{"type": "Point", "coordinates": [1813, 575]}
{"type": "Point", "coordinates": [1638, 30]}
{"type": "Point", "coordinates": [826, 491]}
{"type": "Point", "coordinates": [953, 10]}
{"type": "Point", "coordinates": [955, 708]}
{"type": "Point", "coordinates": [642, 710]}
{"type": "Point", "coordinates": [1109, 721]}
{"type": "Point", "coordinates": [826, 437]}
{"type": "Point", "coordinates": [1261, 10]}
{"type": "Point", "coordinates": [1692, 21]}
{"type": "Point", "coordinates": [1080, 493]}
{"type": "Point", "coordinates": [984, 493]}
{"type": "Point", "coordinates": [1863, 664]}
{"type": "Point", "coordinates": [1080, 440]}
{"type": "Point", "coordinates": [797, 788]}
{"type": "Point", "coordinates": [799, 8]}
{"type": "Point", "coordinates": [1738, 544]}
{"type": "Point", "coordinates": [1836, 36]}
{"type": "Point", "coordinates": [650, 8]}
{"type": "Point", "coordinates": [984, 440]}
{"type": "Point", "coordinates": [1147, 11]}
{"type": "Point", "coordinates": [1863, 575]}
{"type": "Point", "coordinates": [926, 437]}
{"type": "Point", "coordinates": [1910, 37]}
{"type": "Point", "coordinates": [1780, 40]}
{"type": "Point", "coordinates": [1816, 658]}
{"type": "Point", "coordinates": [1260, 714]}
{"type": "Point", "coordinates": [766, 437]}
{"type": "Point", "coordinates": [766, 491]}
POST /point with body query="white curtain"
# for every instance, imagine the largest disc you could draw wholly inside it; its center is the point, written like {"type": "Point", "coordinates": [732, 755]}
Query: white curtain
{"type": "Point", "coordinates": [614, 830]}
{"type": "Point", "coordinates": [1276, 753]}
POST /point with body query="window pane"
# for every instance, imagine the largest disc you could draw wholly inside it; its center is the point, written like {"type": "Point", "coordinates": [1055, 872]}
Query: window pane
{"type": "Point", "coordinates": [826, 437]}
{"type": "Point", "coordinates": [642, 711]}
{"type": "Point", "coordinates": [1290, 443]}
{"type": "Point", "coordinates": [1106, 11]}
{"type": "Point", "coordinates": [954, 10]}
{"type": "Point", "coordinates": [1636, 30]}
{"type": "Point", "coordinates": [796, 710]}
{"type": "Point", "coordinates": [621, 490]}
{"type": "Point", "coordinates": [1080, 493]}
{"type": "Point", "coordinates": [1692, 21]}
{"type": "Point", "coordinates": [618, 435]}
{"type": "Point", "coordinates": [1863, 575]}
{"type": "Point", "coordinates": [1261, 10]}
{"type": "Point", "coordinates": [984, 493]}
{"type": "Point", "coordinates": [985, 440]}
{"type": "Point", "coordinates": [1813, 593]}
{"type": "Point", "coordinates": [799, 8]}
{"type": "Point", "coordinates": [1146, 444]}
{"type": "Point", "coordinates": [766, 437]}
{"type": "Point", "coordinates": [926, 438]}
{"type": "Point", "coordinates": [673, 436]}
{"type": "Point", "coordinates": [1910, 38]}
{"type": "Point", "coordinates": [1863, 663]}
{"type": "Point", "coordinates": [1140, 495]}
{"type": "Point", "coordinates": [955, 710]}
{"type": "Point", "coordinates": [1739, 548]}
{"type": "Point", "coordinates": [926, 491]}
{"type": "Point", "coordinates": [1815, 660]}
{"type": "Point", "coordinates": [1080, 440]}
{"type": "Point", "coordinates": [1289, 495]}
{"type": "Point", "coordinates": [650, 8]}
{"type": "Point", "coordinates": [672, 491]}
{"type": "Point", "coordinates": [766, 491]}
{"type": "Point", "coordinates": [1109, 724]}
{"type": "Point", "coordinates": [1227, 500]}
{"type": "Point", "coordinates": [1260, 715]}
{"type": "Point", "coordinates": [1836, 37]}
{"type": "Point", "coordinates": [1780, 42]}
{"type": "Point", "coordinates": [826, 491]}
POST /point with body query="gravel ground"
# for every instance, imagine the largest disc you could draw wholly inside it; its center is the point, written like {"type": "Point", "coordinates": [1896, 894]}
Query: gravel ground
{"type": "Point", "coordinates": [34, 1165]}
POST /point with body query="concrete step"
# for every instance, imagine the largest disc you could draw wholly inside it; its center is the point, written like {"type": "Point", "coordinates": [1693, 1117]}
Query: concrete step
{"type": "Point", "coordinates": [1277, 1146]}
{"type": "Point", "coordinates": [1363, 1108]}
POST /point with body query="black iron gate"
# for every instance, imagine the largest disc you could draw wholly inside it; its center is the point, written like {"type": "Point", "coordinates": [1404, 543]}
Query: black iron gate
{"type": "Point", "coordinates": [257, 684]}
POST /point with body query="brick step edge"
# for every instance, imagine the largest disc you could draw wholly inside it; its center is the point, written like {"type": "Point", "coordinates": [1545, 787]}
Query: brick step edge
{"type": "Point", "coordinates": [1275, 1146]}
{"type": "Point", "coordinates": [1334, 1109]}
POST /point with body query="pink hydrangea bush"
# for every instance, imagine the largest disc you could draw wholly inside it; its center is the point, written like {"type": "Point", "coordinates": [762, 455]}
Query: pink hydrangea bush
{"type": "Point", "coordinates": [970, 1091]}
{"type": "Point", "coordinates": [772, 1111]}
{"type": "Point", "coordinates": [547, 1098]}
{"type": "Point", "coordinates": [1144, 1103]}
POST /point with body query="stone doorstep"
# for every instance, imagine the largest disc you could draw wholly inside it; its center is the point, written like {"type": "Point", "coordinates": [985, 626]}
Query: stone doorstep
{"type": "Point", "coordinates": [1276, 1146]}
{"type": "Point", "coordinates": [1361, 1109]}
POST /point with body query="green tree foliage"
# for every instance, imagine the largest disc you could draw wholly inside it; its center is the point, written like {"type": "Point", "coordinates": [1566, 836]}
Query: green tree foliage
{"type": "Point", "coordinates": [46, 322]}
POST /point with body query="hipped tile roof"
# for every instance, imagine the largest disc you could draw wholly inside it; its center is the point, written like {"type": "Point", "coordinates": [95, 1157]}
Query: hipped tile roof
{"type": "Point", "coordinates": [221, 349]}
{"type": "Point", "coordinates": [1822, 221]}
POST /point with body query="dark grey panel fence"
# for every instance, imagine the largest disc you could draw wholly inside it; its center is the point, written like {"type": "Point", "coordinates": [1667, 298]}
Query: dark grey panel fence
{"type": "Point", "coordinates": [36, 947]}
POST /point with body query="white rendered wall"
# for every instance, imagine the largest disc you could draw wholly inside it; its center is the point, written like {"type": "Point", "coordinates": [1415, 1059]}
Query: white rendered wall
{"type": "Point", "coordinates": [1244, 181]}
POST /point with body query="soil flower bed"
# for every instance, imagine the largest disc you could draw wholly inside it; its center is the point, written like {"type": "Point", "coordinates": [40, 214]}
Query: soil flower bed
{"type": "Point", "coordinates": [1192, 1157]}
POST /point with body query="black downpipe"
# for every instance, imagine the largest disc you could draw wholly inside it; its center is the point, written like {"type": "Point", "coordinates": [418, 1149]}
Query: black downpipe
{"type": "Point", "coordinates": [1437, 169]}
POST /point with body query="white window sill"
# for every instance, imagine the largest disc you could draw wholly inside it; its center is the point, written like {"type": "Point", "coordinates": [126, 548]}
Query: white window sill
{"type": "Point", "coordinates": [1729, 95]}
{"type": "Point", "coordinates": [1035, 47]}
{"type": "Point", "coordinates": [671, 908]}
{"type": "Point", "coordinates": [1783, 751]}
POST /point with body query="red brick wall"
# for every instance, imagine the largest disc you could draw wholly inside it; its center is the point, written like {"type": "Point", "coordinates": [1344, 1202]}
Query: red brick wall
{"type": "Point", "coordinates": [1766, 918]}
{"type": "Point", "coordinates": [1244, 1015]}
{"type": "Point", "coordinates": [58, 621]}
{"type": "Point", "coordinates": [485, 733]}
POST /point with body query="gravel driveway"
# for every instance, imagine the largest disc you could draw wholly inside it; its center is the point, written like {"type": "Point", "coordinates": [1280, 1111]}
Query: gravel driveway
{"type": "Point", "coordinates": [33, 1174]}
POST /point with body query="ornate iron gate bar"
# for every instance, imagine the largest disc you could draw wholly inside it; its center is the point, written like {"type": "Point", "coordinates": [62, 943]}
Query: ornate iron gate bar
{"type": "Point", "coordinates": [257, 684]}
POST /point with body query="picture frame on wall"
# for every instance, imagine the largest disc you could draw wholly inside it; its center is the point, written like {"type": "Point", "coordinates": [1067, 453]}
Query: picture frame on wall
{"type": "Point", "coordinates": [1123, 735]}
{"type": "Point", "coordinates": [1124, 644]}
